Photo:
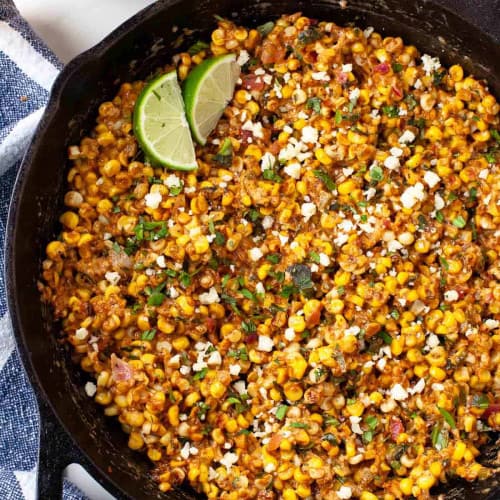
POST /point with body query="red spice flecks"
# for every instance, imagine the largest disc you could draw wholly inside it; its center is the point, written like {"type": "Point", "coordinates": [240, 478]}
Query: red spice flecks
{"type": "Point", "coordinates": [382, 68]}
{"type": "Point", "coordinates": [396, 428]}
{"type": "Point", "coordinates": [397, 92]}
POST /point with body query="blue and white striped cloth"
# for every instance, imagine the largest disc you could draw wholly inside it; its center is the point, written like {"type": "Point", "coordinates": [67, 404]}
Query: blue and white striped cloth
{"type": "Point", "coordinates": [27, 70]}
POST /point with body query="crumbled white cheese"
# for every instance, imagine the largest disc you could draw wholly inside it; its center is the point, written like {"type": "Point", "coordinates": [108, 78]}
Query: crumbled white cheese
{"type": "Point", "coordinates": [113, 277]}
{"type": "Point", "coordinates": [267, 79]}
{"type": "Point", "coordinates": [381, 364]}
{"type": "Point", "coordinates": [418, 84]}
{"type": "Point", "coordinates": [430, 64]}
{"type": "Point", "coordinates": [267, 222]}
{"type": "Point", "coordinates": [290, 334]}
{"type": "Point", "coordinates": [438, 202]}
{"type": "Point", "coordinates": [293, 170]}
{"type": "Point", "coordinates": [81, 333]}
{"type": "Point", "coordinates": [259, 288]}
{"type": "Point", "coordinates": [243, 57]}
{"type": "Point", "coordinates": [451, 295]}
{"type": "Point", "coordinates": [344, 492]}
{"type": "Point", "coordinates": [412, 195]}
{"type": "Point", "coordinates": [309, 134]}
{"type": "Point", "coordinates": [483, 174]}
{"type": "Point", "coordinates": [491, 324]}
{"type": "Point", "coordinates": [229, 459]}
{"type": "Point", "coordinates": [153, 200]}
{"type": "Point", "coordinates": [407, 137]}
{"type": "Point", "coordinates": [324, 260]}
{"type": "Point", "coordinates": [346, 68]}
{"type": "Point", "coordinates": [431, 178]}
{"type": "Point", "coordinates": [432, 341]}
{"type": "Point", "coordinates": [368, 31]}
{"type": "Point", "coordinates": [210, 297]}
{"type": "Point", "coordinates": [172, 181]}
{"type": "Point", "coordinates": [418, 387]}
{"type": "Point", "coordinates": [394, 246]}
{"type": "Point", "coordinates": [437, 387]}
{"type": "Point", "coordinates": [90, 389]}
{"type": "Point", "coordinates": [355, 425]}
{"type": "Point", "coordinates": [354, 95]}
{"type": "Point", "coordinates": [399, 393]}
{"type": "Point", "coordinates": [267, 161]}
{"type": "Point", "coordinates": [265, 343]}
{"type": "Point", "coordinates": [185, 370]}
{"type": "Point", "coordinates": [255, 254]}
{"type": "Point", "coordinates": [173, 292]}
{"type": "Point", "coordinates": [320, 75]}
{"type": "Point", "coordinates": [255, 128]}
{"type": "Point", "coordinates": [308, 210]}
{"type": "Point", "coordinates": [160, 261]}
{"type": "Point", "coordinates": [391, 162]}
{"type": "Point", "coordinates": [185, 451]}
{"type": "Point", "coordinates": [234, 370]}
{"type": "Point", "coordinates": [347, 171]}
{"type": "Point", "coordinates": [352, 330]}
{"type": "Point", "coordinates": [397, 152]}
{"type": "Point", "coordinates": [214, 359]}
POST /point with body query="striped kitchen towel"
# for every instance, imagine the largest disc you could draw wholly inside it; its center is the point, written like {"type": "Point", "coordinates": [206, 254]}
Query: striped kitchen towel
{"type": "Point", "coordinates": [27, 70]}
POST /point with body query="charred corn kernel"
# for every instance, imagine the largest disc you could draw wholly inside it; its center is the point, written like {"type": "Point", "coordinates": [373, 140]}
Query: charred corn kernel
{"type": "Point", "coordinates": [459, 451]}
{"type": "Point", "coordinates": [334, 306]}
{"type": "Point", "coordinates": [433, 133]}
{"type": "Point", "coordinates": [348, 344]}
{"type": "Point", "coordinates": [252, 107]}
{"type": "Point", "coordinates": [55, 250]}
{"type": "Point", "coordinates": [298, 323]}
{"type": "Point", "coordinates": [135, 441]}
{"type": "Point", "coordinates": [134, 418]}
{"type": "Point", "coordinates": [186, 304]}
{"type": "Point", "coordinates": [242, 96]}
{"type": "Point", "coordinates": [366, 495]}
{"type": "Point", "coordinates": [111, 168]}
{"type": "Point", "coordinates": [293, 391]}
{"type": "Point", "coordinates": [217, 389]}
{"type": "Point", "coordinates": [346, 187]}
{"type": "Point", "coordinates": [437, 373]}
{"type": "Point", "coordinates": [69, 219]}
{"type": "Point", "coordinates": [164, 325]}
{"type": "Point", "coordinates": [297, 365]}
{"type": "Point", "coordinates": [322, 157]}
{"type": "Point", "coordinates": [426, 481]}
{"type": "Point", "coordinates": [456, 73]}
{"type": "Point", "coordinates": [254, 151]}
{"type": "Point", "coordinates": [356, 409]}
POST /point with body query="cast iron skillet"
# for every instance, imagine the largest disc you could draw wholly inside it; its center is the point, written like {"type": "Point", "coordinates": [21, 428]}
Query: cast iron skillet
{"type": "Point", "coordinates": [132, 52]}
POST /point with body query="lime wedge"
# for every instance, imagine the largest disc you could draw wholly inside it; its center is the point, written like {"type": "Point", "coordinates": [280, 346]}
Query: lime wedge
{"type": "Point", "coordinates": [207, 91]}
{"type": "Point", "coordinates": [160, 124]}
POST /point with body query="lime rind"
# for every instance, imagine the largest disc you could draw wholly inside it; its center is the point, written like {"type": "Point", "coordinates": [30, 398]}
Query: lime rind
{"type": "Point", "coordinates": [160, 124]}
{"type": "Point", "coordinates": [207, 91]}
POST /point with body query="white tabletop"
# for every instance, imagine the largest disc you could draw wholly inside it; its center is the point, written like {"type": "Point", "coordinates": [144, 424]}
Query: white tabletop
{"type": "Point", "coordinates": [69, 27]}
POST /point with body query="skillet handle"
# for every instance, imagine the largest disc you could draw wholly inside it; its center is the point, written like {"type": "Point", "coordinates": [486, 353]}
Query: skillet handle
{"type": "Point", "coordinates": [57, 451]}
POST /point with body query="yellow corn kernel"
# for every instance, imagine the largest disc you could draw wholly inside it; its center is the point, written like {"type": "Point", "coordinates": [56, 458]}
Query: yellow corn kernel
{"type": "Point", "coordinates": [293, 391]}
{"type": "Point", "coordinates": [437, 373]}
{"type": "Point", "coordinates": [426, 480]}
{"type": "Point", "coordinates": [180, 343]}
{"type": "Point", "coordinates": [186, 304]}
{"type": "Point", "coordinates": [201, 245]}
{"type": "Point", "coordinates": [231, 425]}
{"type": "Point", "coordinates": [348, 344]}
{"type": "Point", "coordinates": [433, 133]}
{"type": "Point", "coordinates": [69, 219]}
{"type": "Point", "coordinates": [135, 441]}
{"type": "Point", "coordinates": [436, 468]}
{"type": "Point", "coordinates": [297, 323]}
{"type": "Point", "coordinates": [376, 397]}
{"type": "Point", "coordinates": [289, 494]}
{"type": "Point", "coordinates": [217, 389]}
{"type": "Point", "coordinates": [242, 96]}
{"type": "Point", "coordinates": [263, 271]}
{"type": "Point", "coordinates": [346, 187]}
{"type": "Point", "coordinates": [164, 325]}
{"type": "Point", "coordinates": [173, 415]}
{"type": "Point", "coordinates": [397, 346]}
{"type": "Point", "coordinates": [299, 124]}
{"type": "Point", "coordinates": [406, 485]}
{"type": "Point", "coordinates": [253, 150]}
{"type": "Point", "coordinates": [356, 409]}
{"type": "Point", "coordinates": [55, 250]}
{"type": "Point", "coordinates": [459, 451]}
{"type": "Point", "coordinates": [252, 107]}
{"type": "Point", "coordinates": [303, 491]}
{"type": "Point", "coordinates": [366, 495]}
{"type": "Point", "coordinates": [322, 157]}
{"type": "Point", "coordinates": [469, 423]}
{"type": "Point", "coordinates": [191, 399]}
{"type": "Point", "coordinates": [297, 365]}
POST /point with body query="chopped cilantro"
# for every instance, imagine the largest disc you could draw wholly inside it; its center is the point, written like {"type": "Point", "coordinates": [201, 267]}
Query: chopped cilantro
{"type": "Point", "coordinates": [367, 437]}
{"type": "Point", "coordinates": [459, 222]}
{"type": "Point", "coordinates": [265, 29]}
{"type": "Point", "coordinates": [271, 175]}
{"type": "Point", "coordinates": [219, 238]}
{"type": "Point", "coordinates": [329, 437]}
{"type": "Point", "coordinates": [376, 173]}
{"type": "Point", "coordinates": [444, 263]}
{"type": "Point", "coordinates": [448, 417]}
{"type": "Point", "coordinates": [437, 77]}
{"type": "Point", "coordinates": [197, 47]}
{"type": "Point", "coordinates": [480, 401]}
{"type": "Point", "coordinates": [184, 279]}
{"type": "Point", "coordinates": [299, 425]}
{"type": "Point", "coordinates": [314, 103]}
{"type": "Point", "coordinates": [148, 334]}
{"type": "Point", "coordinates": [241, 354]}
{"type": "Point", "coordinates": [338, 117]}
{"type": "Point", "coordinates": [390, 111]}
{"type": "Point", "coordinates": [325, 179]}
{"type": "Point", "coordinates": [224, 155]}
{"type": "Point", "coordinates": [385, 337]}
{"type": "Point", "coordinates": [201, 374]}
{"type": "Point", "coordinates": [340, 290]}
{"type": "Point", "coordinates": [397, 67]}
{"type": "Point", "coordinates": [473, 193]}
{"type": "Point", "coordinates": [314, 257]}
{"type": "Point", "coordinates": [281, 412]}
{"type": "Point", "coordinates": [439, 437]}
{"type": "Point", "coordinates": [371, 421]}
{"type": "Point", "coordinates": [495, 134]}
{"type": "Point", "coordinates": [301, 276]}
{"type": "Point", "coordinates": [410, 101]}
{"type": "Point", "coordinates": [439, 216]}
{"type": "Point", "coordinates": [248, 294]}
{"type": "Point", "coordinates": [273, 258]}
{"type": "Point", "coordinates": [248, 326]}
